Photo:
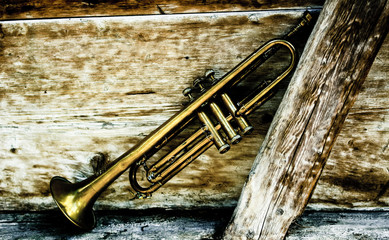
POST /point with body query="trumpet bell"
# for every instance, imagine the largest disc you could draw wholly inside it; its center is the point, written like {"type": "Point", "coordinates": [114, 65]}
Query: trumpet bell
{"type": "Point", "coordinates": [73, 203]}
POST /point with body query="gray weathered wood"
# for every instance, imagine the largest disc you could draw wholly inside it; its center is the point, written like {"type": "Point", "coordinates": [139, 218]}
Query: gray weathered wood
{"type": "Point", "coordinates": [193, 224]}
{"type": "Point", "coordinates": [313, 225]}
{"type": "Point", "coordinates": [332, 69]}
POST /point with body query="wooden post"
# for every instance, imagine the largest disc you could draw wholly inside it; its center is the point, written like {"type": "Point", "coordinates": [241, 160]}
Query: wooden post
{"type": "Point", "coordinates": [331, 71]}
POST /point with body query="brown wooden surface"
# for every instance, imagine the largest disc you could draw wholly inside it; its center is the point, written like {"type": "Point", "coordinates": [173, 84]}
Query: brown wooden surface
{"type": "Point", "coordinates": [22, 9]}
{"type": "Point", "coordinates": [332, 69]}
{"type": "Point", "coordinates": [72, 88]}
{"type": "Point", "coordinates": [356, 174]}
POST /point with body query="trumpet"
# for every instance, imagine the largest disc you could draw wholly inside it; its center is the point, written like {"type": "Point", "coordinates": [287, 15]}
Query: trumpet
{"type": "Point", "coordinates": [219, 127]}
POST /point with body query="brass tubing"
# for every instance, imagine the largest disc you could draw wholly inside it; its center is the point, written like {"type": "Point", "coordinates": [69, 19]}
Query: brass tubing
{"type": "Point", "coordinates": [205, 144]}
{"type": "Point", "coordinates": [157, 167]}
{"type": "Point", "coordinates": [190, 154]}
{"type": "Point", "coordinates": [199, 132]}
{"type": "Point", "coordinates": [229, 130]}
{"type": "Point", "coordinates": [272, 50]}
{"type": "Point", "coordinates": [246, 107]}
{"type": "Point", "coordinates": [186, 159]}
{"type": "Point", "coordinates": [242, 122]}
{"type": "Point", "coordinates": [220, 144]}
{"type": "Point", "coordinates": [167, 138]}
{"type": "Point", "coordinates": [266, 97]}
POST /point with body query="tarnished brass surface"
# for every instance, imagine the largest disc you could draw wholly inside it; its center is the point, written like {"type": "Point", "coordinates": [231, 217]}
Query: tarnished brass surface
{"type": "Point", "coordinates": [76, 199]}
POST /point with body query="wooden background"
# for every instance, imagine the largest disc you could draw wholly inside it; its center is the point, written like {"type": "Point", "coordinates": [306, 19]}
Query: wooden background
{"type": "Point", "coordinates": [78, 78]}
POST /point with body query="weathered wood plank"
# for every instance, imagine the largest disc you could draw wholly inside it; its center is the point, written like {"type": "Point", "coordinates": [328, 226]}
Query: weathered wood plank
{"type": "Point", "coordinates": [194, 224]}
{"type": "Point", "coordinates": [71, 88]}
{"type": "Point", "coordinates": [314, 225]}
{"type": "Point", "coordinates": [21, 9]}
{"type": "Point", "coordinates": [140, 224]}
{"type": "Point", "coordinates": [335, 63]}
{"type": "Point", "coordinates": [80, 86]}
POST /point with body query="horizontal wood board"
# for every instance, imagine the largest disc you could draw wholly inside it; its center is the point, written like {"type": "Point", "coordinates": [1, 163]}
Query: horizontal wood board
{"type": "Point", "coordinates": [188, 224]}
{"type": "Point", "coordinates": [71, 88]}
{"type": "Point", "coordinates": [22, 9]}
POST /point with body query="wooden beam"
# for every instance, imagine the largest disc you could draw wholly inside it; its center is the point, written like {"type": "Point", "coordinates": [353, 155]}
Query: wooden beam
{"type": "Point", "coordinates": [332, 69]}
{"type": "Point", "coordinates": [22, 9]}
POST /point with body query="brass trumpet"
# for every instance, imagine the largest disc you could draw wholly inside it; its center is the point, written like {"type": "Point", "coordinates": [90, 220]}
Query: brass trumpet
{"type": "Point", "coordinates": [76, 200]}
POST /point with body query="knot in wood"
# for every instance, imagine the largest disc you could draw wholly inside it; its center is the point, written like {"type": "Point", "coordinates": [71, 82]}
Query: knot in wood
{"type": "Point", "coordinates": [279, 211]}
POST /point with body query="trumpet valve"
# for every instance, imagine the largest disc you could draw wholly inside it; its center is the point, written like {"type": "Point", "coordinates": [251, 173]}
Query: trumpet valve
{"type": "Point", "coordinates": [236, 139]}
{"type": "Point", "coordinates": [218, 140]}
{"type": "Point", "coordinates": [226, 126]}
{"type": "Point", "coordinates": [187, 92]}
{"type": "Point", "coordinates": [224, 148]}
{"type": "Point", "coordinates": [210, 76]}
{"type": "Point", "coordinates": [242, 122]}
{"type": "Point", "coordinates": [199, 83]}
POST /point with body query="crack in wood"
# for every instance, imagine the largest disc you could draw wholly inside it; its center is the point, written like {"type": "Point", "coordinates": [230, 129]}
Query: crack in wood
{"type": "Point", "coordinates": [141, 92]}
{"type": "Point", "coordinates": [160, 10]}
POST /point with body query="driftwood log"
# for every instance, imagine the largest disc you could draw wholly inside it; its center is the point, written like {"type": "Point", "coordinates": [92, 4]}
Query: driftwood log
{"type": "Point", "coordinates": [332, 69]}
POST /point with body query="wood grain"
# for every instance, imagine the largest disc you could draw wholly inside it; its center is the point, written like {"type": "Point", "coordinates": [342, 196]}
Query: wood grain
{"type": "Point", "coordinates": [340, 225]}
{"type": "Point", "coordinates": [358, 178]}
{"type": "Point", "coordinates": [187, 224]}
{"type": "Point", "coordinates": [22, 9]}
{"type": "Point", "coordinates": [335, 63]}
{"type": "Point", "coordinates": [70, 88]}
{"type": "Point", "coordinates": [76, 87]}
{"type": "Point", "coordinates": [358, 163]}
{"type": "Point", "coordinates": [136, 225]}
